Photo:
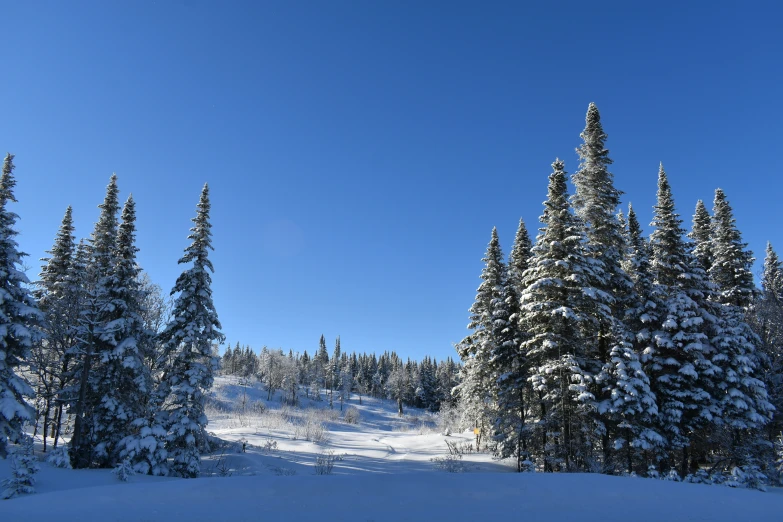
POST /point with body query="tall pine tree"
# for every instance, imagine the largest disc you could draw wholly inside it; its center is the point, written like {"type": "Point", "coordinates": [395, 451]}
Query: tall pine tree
{"type": "Point", "coordinates": [19, 320]}
{"type": "Point", "coordinates": [188, 339]}
{"type": "Point", "coordinates": [742, 395]}
{"type": "Point", "coordinates": [678, 361]}
{"type": "Point", "coordinates": [557, 307]}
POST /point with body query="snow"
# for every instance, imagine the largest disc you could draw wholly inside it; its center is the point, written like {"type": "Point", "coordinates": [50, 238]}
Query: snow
{"type": "Point", "coordinates": [383, 472]}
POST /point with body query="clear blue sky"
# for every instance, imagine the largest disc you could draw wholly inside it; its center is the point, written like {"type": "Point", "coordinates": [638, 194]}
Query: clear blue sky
{"type": "Point", "coordinates": [359, 153]}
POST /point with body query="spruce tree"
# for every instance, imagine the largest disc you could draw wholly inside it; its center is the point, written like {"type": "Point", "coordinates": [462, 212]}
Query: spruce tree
{"type": "Point", "coordinates": [58, 299]}
{"type": "Point", "coordinates": [477, 350]}
{"type": "Point", "coordinates": [94, 334]}
{"type": "Point", "coordinates": [557, 307]}
{"type": "Point", "coordinates": [19, 321]}
{"type": "Point", "coordinates": [595, 202]}
{"type": "Point", "coordinates": [678, 361]}
{"type": "Point", "coordinates": [731, 266]}
{"type": "Point", "coordinates": [188, 339]}
{"type": "Point", "coordinates": [628, 403]}
{"type": "Point", "coordinates": [742, 395]}
{"type": "Point", "coordinates": [767, 320]}
{"type": "Point", "coordinates": [701, 235]}
{"type": "Point", "coordinates": [509, 362]}
{"type": "Point", "coordinates": [520, 254]}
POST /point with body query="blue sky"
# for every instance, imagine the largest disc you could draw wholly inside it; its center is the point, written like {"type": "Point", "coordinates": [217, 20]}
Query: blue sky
{"type": "Point", "coordinates": [359, 153]}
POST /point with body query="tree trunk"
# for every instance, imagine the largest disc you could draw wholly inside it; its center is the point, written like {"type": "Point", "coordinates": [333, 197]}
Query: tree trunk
{"type": "Point", "coordinates": [46, 422]}
{"type": "Point", "coordinates": [79, 456]}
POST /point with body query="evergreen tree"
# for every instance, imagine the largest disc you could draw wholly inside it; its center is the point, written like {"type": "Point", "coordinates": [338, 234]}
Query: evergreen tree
{"type": "Point", "coordinates": [742, 395]}
{"type": "Point", "coordinates": [58, 299]}
{"type": "Point", "coordinates": [628, 405]}
{"type": "Point", "coordinates": [188, 339]}
{"type": "Point", "coordinates": [595, 202]}
{"type": "Point", "coordinates": [520, 254]}
{"type": "Point", "coordinates": [768, 323]}
{"type": "Point", "coordinates": [94, 334]}
{"type": "Point", "coordinates": [557, 311]}
{"type": "Point", "coordinates": [19, 320]}
{"type": "Point", "coordinates": [701, 235]}
{"type": "Point", "coordinates": [678, 361]}
{"type": "Point", "coordinates": [509, 363]}
{"type": "Point", "coordinates": [129, 403]}
{"type": "Point", "coordinates": [478, 348]}
{"type": "Point", "coordinates": [731, 266]}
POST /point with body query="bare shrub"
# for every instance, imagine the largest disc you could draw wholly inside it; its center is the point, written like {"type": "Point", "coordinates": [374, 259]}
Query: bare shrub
{"type": "Point", "coordinates": [269, 446]}
{"type": "Point", "coordinates": [351, 415]}
{"type": "Point", "coordinates": [450, 463]}
{"type": "Point", "coordinates": [459, 447]}
{"type": "Point", "coordinates": [324, 463]}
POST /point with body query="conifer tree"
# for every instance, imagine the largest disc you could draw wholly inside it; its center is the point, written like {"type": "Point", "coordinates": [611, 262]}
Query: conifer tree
{"type": "Point", "coordinates": [477, 349]}
{"type": "Point", "coordinates": [509, 363]}
{"type": "Point", "coordinates": [701, 235]}
{"type": "Point", "coordinates": [767, 320]}
{"type": "Point", "coordinates": [742, 395]}
{"type": "Point", "coordinates": [19, 320]}
{"type": "Point", "coordinates": [188, 339]}
{"type": "Point", "coordinates": [557, 308]}
{"type": "Point", "coordinates": [595, 202]}
{"type": "Point", "coordinates": [678, 362]}
{"type": "Point", "coordinates": [58, 299]}
{"type": "Point", "coordinates": [121, 382]}
{"type": "Point", "coordinates": [628, 404]}
{"type": "Point", "coordinates": [731, 266]}
{"type": "Point", "coordinates": [94, 324]}
{"type": "Point", "coordinates": [520, 254]}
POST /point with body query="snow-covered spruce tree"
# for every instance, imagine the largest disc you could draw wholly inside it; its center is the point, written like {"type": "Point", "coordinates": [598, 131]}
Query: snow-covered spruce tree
{"type": "Point", "coordinates": [595, 202]}
{"type": "Point", "coordinates": [767, 322]}
{"type": "Point", "coordinates": [678, 361]}
{"type": "Point", "coordinates": [19, 321]}
{"type": "Point", "coordinates": [627, 401]}
{"type": "Point", "coordinates": [94, 335]}
{"type": "Point", "coordinates": [23, 466]}
{"type": "Point", "coordinates": [701, 235]}
{"type": "Point", "coordinates": [509, 364]}
{"type": "Point", "coordinates": [120, 379]}
{"type": "Point", "coordinates": [741, 393]}
{"type": "Point", "coordinates": [188, 340]}
{"type": "Point", "coordinates": [477, 389]}
{"type": "Point", "coordinates": [129, 406]}
{"type": "Point", "coordinates": [58, 298]}
{"type": "Point", "coordinates": [557, 310]}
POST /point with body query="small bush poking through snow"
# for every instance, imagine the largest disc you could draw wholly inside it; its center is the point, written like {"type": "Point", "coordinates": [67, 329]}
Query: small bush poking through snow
{"type": "Point", "coordinates": [652, 472]}
{"type": "Point", "coordinates": [59, 458]}
{"type": "Point", "coordinates": [459, 447]}
{"type": "Point", "coordinates": [269, 446]}
{"type": "Point", "coordinates": [23, 469]}
{"type": "Point", "coordinates": [312, 428]}
{"type": "Point", "coordinates": [450, 463]}
{"type": "Point", "coordinates": [453, 461]}
{"type": "Point", "coordinates": [324, 463]}
{"type": "Point", "coordinates": [351, 415]}
{"type": "Point", "coordinates": [124, 471]}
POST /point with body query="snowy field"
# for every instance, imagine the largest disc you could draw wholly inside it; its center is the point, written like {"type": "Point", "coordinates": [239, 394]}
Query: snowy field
{"type": "Point", "coordinates": [381, 470]}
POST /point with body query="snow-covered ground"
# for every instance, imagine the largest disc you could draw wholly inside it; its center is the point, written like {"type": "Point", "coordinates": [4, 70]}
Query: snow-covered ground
{"type": "Point", "coordinates": [382, 472]}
